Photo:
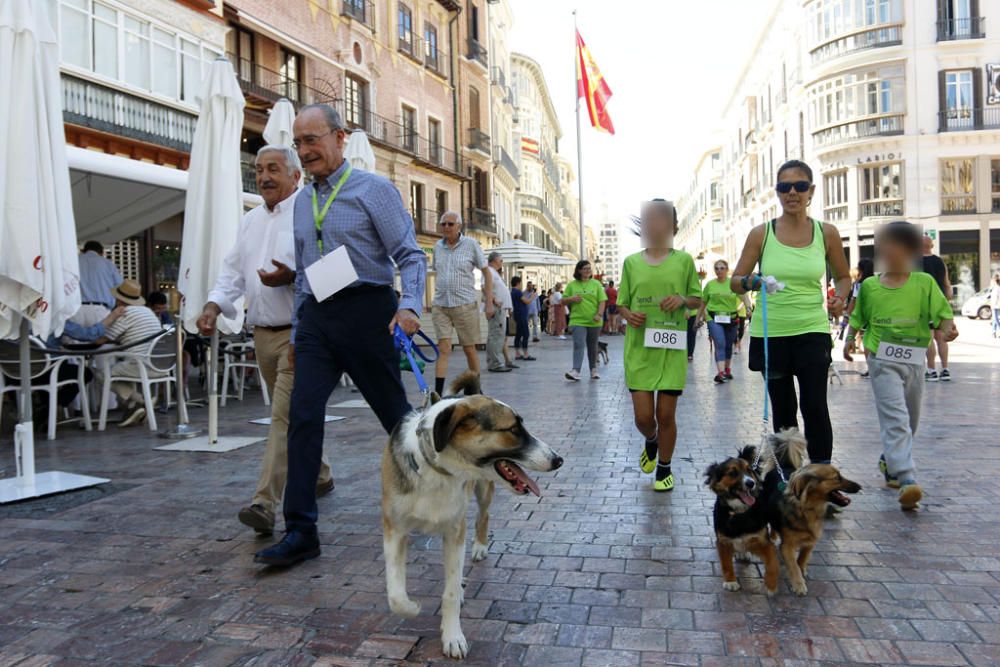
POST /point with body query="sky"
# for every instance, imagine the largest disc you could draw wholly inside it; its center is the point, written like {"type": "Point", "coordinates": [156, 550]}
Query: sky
{"type": "Point", "coordinates": [671, 65]}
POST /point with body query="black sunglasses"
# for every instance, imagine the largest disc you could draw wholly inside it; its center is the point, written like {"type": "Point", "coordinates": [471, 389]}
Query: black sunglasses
{"type": "Point", "coordinates": [449, 224]}
{"type": "Point", "coordinates": [800, 186]}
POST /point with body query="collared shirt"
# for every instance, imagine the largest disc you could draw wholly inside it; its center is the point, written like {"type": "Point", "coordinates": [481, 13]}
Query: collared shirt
{"type": "Point", "coordinates": [76, 332]}
{"type": "Point", "coordinates": [98, 276]}
{"type": "Point", "coordinates": [368, 217]}
{"type": "Point", "coordinates": [455, 283]}
{"type": "Point", "coordinates": [263, 236]}
{"type": "Point", "coordinates": [533, 306]}
{"type": "Point", "coordinates": [501, 295]}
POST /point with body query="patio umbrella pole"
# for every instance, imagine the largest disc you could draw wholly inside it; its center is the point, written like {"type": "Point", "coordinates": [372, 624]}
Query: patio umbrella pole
{"type": "Point", "coordinates": [183, 428]}
{"type": "Point", "coordinates": [213, 390]}
{"type": "Point", "coordinates": [25, 433]}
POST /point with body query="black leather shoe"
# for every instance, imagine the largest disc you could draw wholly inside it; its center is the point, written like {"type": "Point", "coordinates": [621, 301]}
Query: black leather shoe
{"type": "Point", "coordinates": [293, 548]}
{"type": "Point", "coordinates": [323, 488]}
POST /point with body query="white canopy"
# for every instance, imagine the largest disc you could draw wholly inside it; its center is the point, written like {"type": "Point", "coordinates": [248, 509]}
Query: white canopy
{"type": "Point", "coordinates": [278, 131]}
{"type": "Point", "coordinates": [523, 253]}
{"type": "Point", "coordinates": [39, 264]}
{"type": "Point", "coordinates": [359, 151]}
{"type": "Point", "coordinates": [213, 209]}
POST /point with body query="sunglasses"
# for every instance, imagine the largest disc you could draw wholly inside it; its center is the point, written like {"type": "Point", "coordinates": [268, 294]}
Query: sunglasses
{"type": "Point", "coordinates": [799, 186]}
{"type": "Point", "coordinates": [449, 224]}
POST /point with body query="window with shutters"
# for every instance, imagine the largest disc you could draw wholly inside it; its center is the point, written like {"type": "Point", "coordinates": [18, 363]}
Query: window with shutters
{"type": "Point", "coordinates": [960, 97]}
{"type": "Point", "coordinates": [959, 19]}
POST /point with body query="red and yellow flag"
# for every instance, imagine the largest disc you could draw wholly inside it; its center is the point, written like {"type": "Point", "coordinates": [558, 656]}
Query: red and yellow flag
{"type": "Point", "coordinates": [592, 87]}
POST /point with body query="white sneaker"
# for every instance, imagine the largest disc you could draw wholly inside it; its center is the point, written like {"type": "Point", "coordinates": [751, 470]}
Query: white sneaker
{"type": "Point", "coordinates": [137, 415]}
{"type": "Point", "coordinates": [561, 337]}
{"type": "Point", "coordinates": [594, 375]}
{"type": "Point", "coordinates": [573, 375]}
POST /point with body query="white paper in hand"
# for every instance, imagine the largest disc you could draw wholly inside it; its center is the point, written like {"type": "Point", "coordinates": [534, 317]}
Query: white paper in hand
{"type": "Point", "coordinates": [331, 273]}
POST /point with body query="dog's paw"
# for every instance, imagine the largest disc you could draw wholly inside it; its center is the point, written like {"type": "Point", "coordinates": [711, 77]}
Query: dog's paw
{"type": "Point", "coordinates": [404, 607]}
{"type": "Point", "coordinates": [799, 588]}
{"type": "Point", "coordinates": [731, 585]}
{"type": "Point", "coordinates": [454, 645]}
{"type": "Point", "coordinates": [771, 591]}
{"type": "Point", "coordinates": [743, 557]}
{"type": "Point", "coordinates": [479, 552]}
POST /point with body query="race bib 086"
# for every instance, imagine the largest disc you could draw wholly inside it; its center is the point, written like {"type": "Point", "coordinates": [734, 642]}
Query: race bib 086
{"type": "Point", "coordinates": [904, 354]}
{"type": "Point", "coordinates": [667, 339]}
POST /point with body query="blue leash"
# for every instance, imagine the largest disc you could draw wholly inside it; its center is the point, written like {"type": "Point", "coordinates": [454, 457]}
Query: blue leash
{"type": "Point", "coordinates": [765, 423]}
{"type": "Point", "coordinates": [404, 343]}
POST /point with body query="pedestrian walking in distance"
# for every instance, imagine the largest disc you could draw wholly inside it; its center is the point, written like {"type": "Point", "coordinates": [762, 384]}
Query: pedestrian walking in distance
{"type": "Point", "coordinates": [720, 307]}
{"type": "Point", "coordinates": [496, 324]}
{"type": "Point", "coordinates": [586, 299]}
{"type": "Point", "coordinates": [938, 346]}
{"type": "Point", "coordinates": [521, 303]}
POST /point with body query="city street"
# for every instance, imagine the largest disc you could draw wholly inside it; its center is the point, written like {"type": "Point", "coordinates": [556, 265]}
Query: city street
{"type": "Point", "coordinates": [154, 569]}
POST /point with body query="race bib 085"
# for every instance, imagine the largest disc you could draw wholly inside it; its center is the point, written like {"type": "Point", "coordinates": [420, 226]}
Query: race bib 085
{"type": "Point", "coordinates": [904, 354]}
{"type": "Point", "coordinates": [667, 339]}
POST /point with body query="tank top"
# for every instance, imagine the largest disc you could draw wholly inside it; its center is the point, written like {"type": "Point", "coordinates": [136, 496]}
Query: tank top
{"type": "Point", "coordinates": [799, 307]}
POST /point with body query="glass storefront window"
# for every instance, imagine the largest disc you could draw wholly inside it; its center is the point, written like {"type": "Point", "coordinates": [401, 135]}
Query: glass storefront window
{"type": "Point", "coordinates": [960, 252]}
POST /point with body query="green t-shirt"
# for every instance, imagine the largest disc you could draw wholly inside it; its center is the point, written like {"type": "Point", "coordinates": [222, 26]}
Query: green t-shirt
{"type": "Point", "coordinates": [582, 314]}
{"type": "Point", "coordinates": [643, 287]}
{"type": "Point", "coordinates": [901, 314]}
{"type": "Point", "coordinates": [720, 298]}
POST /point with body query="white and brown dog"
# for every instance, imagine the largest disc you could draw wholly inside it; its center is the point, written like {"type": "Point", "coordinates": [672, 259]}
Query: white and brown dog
{"type": "Point", "coordinates": [434, 460]}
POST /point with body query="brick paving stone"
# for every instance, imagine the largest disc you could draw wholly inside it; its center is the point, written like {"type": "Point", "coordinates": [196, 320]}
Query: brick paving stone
{"type": "Point", "coordinates": [599, 571]}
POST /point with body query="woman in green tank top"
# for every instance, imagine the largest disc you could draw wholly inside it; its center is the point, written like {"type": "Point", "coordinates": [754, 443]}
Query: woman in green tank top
{"type": "Point", "coordinates": [796, 249]}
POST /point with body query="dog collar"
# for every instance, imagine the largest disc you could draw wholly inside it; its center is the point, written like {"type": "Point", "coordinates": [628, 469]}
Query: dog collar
{"type": "Point", "coordinates": [426, 446]}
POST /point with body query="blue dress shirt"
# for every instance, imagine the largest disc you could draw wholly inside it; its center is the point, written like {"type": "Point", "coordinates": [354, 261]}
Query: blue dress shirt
{"type": "Point", "coordinates": [98, 276]}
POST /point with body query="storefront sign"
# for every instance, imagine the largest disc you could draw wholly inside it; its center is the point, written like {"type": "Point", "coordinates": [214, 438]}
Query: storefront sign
{"type": "Point", "coordinates": [885, 157]}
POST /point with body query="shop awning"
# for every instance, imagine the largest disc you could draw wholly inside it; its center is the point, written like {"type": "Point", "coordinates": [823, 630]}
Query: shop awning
{"type": "Point", "coordinates": [523, 253]}
{"type": "Point", "coordinates": [115, 197]}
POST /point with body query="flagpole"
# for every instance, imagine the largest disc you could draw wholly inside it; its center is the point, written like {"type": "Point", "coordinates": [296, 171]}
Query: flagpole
{"type": "Point", "coordinates": [579, 144]}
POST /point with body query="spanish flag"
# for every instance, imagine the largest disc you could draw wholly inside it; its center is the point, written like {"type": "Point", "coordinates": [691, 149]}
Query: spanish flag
{"type": "Point", "coordinates": [592, 87]}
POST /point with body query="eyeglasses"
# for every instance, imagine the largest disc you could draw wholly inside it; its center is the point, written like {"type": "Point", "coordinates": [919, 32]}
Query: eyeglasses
{"type": "Point", "coordinates": [449, 224]}
{"type": "Point", "coordinates": [799, 186]}
{"type": "Point", "coordinates": [309, 139]}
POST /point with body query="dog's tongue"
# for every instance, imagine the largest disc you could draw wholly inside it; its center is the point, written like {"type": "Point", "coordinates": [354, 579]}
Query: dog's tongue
{"type": "Point", "coordinates": [524, 478]}
{"type": "Point", "coordinates": [747, 499]}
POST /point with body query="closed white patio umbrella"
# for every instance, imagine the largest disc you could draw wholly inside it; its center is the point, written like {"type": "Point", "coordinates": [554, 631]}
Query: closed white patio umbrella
{"type": "Point", "coordinates": [358, 151]}
{"type": "Point", "coordinates": [523, 253]}
{"type": "Point", "coordinates": [213, 212]}
{"type": "Point", "coordinates": [278, 131]}
{"type": "Point", "coordinates": [39, 262]}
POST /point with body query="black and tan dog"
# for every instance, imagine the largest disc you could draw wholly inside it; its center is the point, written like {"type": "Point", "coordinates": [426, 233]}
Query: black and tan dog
{"type": "Point", "coordinates": [434, 460]}
{"type": "Point", "coordinates": [798, 514]}
{"type": "Point", "coordinates": [741, 518]}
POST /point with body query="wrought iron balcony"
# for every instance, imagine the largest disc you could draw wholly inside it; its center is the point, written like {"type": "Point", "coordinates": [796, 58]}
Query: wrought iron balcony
{"type": "Point", "coordinates": [968, 28]}
{"type": "Point", "coordinates": [478, 140]}
{"type": "Point", "coordinates": [478, 52]}
{"type": "Point", "coordinates": [479, 220]}
{"type": "Point", "coordinates": [890, 34]}
{"type": "Point", "coordinates": [503, 158]}
{"type": "Point", "coordinates": [362, 11]}
{"type": "Point", "coordinates": [966, 119]}
{"type": "Point", "coordinates": [881, 126]}
{"type": "Point", "coordinates": [106, 109]}
{"type": "Point", "coordinates": [425, 221]}
{"type": "Point", "coordinates": [888, 208]}
{"type": "Point", "coordinates": [267, 85]}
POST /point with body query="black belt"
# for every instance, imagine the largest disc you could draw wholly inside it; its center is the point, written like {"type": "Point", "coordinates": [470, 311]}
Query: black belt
{"type": "Point", "coordinates": [357, 290]}
{"type": "Point", "coordinates": [280, 327]}
{"type": "Point", "coordinates": [93, 303]}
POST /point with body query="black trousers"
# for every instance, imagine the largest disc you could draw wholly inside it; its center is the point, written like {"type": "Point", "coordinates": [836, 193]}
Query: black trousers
{"type": "Point", "coordinates": [806, 358]}
{"type": "Point", "coordinates": [691, 335]}
{"type": "Point", "coordinates": [521, 333]}
{"type": "Point", "coordinates": [347, 333]}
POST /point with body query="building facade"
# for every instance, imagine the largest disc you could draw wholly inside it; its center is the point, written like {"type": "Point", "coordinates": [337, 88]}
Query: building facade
{"type": "Point", "coordinates": [506, 153]}
{"type": "Point", "coordinates": [895, 105]}
{"type": "Point", "coordinates": [699, 209]}
{"type": "Point", "coordinates": [609, 248]}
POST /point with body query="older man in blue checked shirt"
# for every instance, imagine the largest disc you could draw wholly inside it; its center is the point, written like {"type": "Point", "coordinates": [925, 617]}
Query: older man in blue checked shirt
{"type": "Point", "coordinates": [350, 331]}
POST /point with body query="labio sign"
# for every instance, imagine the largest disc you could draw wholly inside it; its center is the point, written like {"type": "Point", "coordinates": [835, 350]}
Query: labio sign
{"type": "Point", "coordinates": [885, 157]}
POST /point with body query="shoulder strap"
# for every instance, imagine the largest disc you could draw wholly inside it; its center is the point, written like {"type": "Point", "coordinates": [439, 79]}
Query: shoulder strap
{"type": "Point", "coordinates": [768, 230]}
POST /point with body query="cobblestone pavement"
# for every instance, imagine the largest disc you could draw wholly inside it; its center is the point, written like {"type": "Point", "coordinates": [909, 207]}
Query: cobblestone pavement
{"type": "Point", "coordinates": [155, 570]}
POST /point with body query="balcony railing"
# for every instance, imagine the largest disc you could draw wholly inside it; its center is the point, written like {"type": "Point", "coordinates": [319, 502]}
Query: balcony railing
{"type": "Point", "coordinates": [968, 28]}
{"type": "Point", "coordinates": [498, 78]}
{"type": "Point", "coordinates": [425, 221]}
{"type": "Point", "coordinates": [888, 208]}
{"type": "Point", "coordinates": [835, 213]}
{"type": "Point", "coordinates": [109, 110]}
{"type": "Point", "coordinates": [394, 135]}
{"type": "Point", "coordinates": [536, 203]}
{"type": "Point", "coordinates": [860, 40]}
{"type": "Point", "coordinates": [880, 126]}
{"type": "Point", "coordinates": [436, 60]}
{"type": "Point", "coordinates": [503, 158]}
{"type": "Point", "coordinates": [478, 140]}
{"type": "Point", "coordinates": [479, 220]}
{"type": "Point", "coordinates": [966, 118]}
{"type": "Point", "coordinates": [268, 85]}
{"type": "Point", "coordinates": [478, 52]}
{"type": "Point", "coordinates": [362, 11]}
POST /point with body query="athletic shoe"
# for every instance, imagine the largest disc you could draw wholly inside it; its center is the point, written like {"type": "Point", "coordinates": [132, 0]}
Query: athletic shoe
{"type": "Point", "coordinates": [728, 375]}
{"type": "Point", "coordinates": [646, 464]}
{"type": "Point", "coordinates": [890, 480]}
{"type": "Point", "coordinates": [665, 484]}
{"type": "Point", "coordinates": [945, 375]}
{"type": "Point", "coordinates": [512, 366]}
{"type": "Point", "coordinates": [719, 378]}
{"type": "Point", "coordinates": [594, 375]}
{"type": "Point", "coordinates": [136, 415]}
{"type": "Point", "coordinates": [931, 375]}
{"type": "Point", "coordinates": [865, 375]}
{"type": "Point", "coordinates": [573, 375]}
{"type": "Point", "coordinates": [560, 337]}
{"type": "Point", "coordinates": [909, 496]}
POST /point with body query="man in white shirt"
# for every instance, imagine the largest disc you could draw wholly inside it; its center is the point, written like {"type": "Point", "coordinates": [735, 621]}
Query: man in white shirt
{"type": "Point", "coordinates": [258, 269]}
{"type": "Point", "coordinates": [496, 333]}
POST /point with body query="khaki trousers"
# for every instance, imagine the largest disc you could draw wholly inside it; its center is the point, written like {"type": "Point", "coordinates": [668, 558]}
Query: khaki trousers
{"type": "Point", "coordinates": [271, 348]}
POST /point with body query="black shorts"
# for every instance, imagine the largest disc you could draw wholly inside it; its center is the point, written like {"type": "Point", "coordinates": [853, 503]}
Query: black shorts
{"type": "Point", "coordinates": [668, 392]}
{"type": "Point", "coordinates": [788, 354]}
{"type": "Point", "coordinates": [611, 309]}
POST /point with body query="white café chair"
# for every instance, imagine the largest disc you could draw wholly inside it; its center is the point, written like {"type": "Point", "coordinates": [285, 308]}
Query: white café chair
{"type": "Point", "coordinates": [153, 363]}
{"type": "Point", "coordinates": [236, 361]}
{"type": "Point", "coordinates": [44, 364]}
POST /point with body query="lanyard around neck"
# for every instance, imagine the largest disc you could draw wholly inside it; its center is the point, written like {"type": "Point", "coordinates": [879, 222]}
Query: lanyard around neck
{"type": "Point", "coordinates": [318, 215]}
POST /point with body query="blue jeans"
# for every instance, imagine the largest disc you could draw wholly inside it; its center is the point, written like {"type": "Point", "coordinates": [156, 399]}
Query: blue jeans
{"type": "Point", "coordinates": [347, 333]}
{"type": "Point", "coordinates": [996, 321]}
{"type": "Point", "coordinates": [723, 336]}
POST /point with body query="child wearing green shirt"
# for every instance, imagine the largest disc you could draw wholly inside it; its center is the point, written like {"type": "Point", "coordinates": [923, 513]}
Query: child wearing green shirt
{"type": "Point", "coordinates": [658, 286]}
{"type": "Point", "coordinates": [896, 309]}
